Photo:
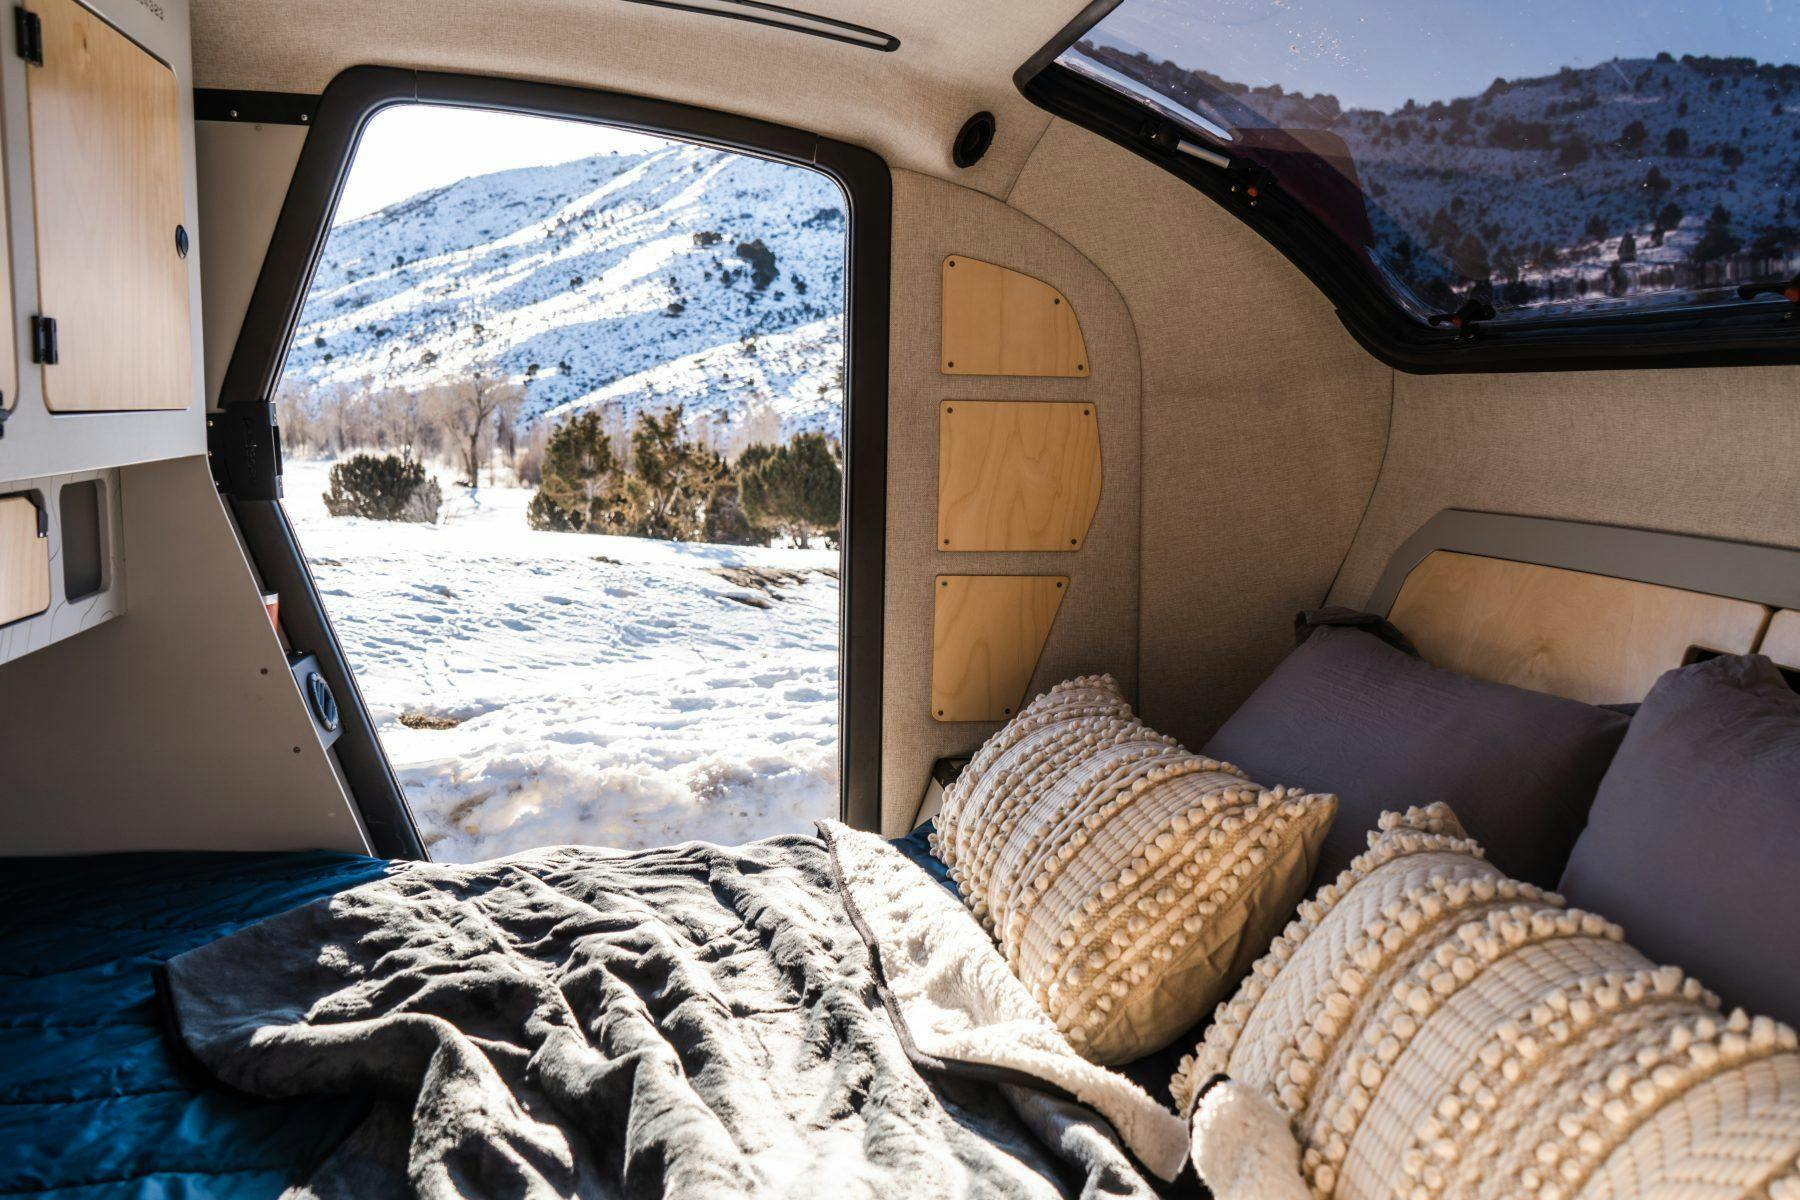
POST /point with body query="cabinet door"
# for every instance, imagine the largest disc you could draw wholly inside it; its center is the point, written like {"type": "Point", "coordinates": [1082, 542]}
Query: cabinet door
{"type": "Point", "coordinates": [107, 177]}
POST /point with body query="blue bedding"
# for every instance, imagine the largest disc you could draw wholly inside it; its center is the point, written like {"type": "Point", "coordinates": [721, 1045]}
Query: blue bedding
{"type": "Point", "coordinates": [94, 1101]}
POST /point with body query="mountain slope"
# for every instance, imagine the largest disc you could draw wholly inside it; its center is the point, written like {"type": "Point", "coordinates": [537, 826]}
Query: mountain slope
{"type": "Point", "coordinates": [678, 275]}
{"type": "Point", "coordinates": [1667, 179]}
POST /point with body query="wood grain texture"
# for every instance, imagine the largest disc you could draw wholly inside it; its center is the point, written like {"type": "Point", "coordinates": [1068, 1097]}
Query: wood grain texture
{"type": "Point", "coordinates": [24, 561]}
{"type": "Point", "coordinates": [1000, 322]}
{"type": "Point", "coordinates": [9, 334]}
{"type": "Point", "coordinates": [1782, 642]}
{"type": "Point", "coordinates": [987, 635]}
{"type": "Point", "coordinates": [1588, 637]}
{"type": "Point", "coordinates": [107, 174]}
{"type": "Point", "coordinates": [1017, 475]}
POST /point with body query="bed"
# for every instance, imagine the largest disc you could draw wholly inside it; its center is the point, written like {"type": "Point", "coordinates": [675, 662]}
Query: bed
{"type": "Point", "coordinates": [100, 1099]}
{"type": "Point", "coordinates": [94, 1099]}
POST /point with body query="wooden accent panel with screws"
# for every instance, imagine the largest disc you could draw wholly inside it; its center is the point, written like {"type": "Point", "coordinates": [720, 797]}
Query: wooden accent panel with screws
{"type": "Point", "coordinates": [1016, 475]}
{"type": "Point", "coordinates": [988, 632]}
{"type": "Point", "coordinates": [1782, 642]}
{"type": "Point", "coordinates": [24, 561]}
{"type": "Point", "coordinates": [1589, 637]}
{"type": "Point", "coordinates": [9, 332]}
{"type": "Point", "coordinates": [1000, 322]}
{"type": "Point", "coordinates": [107, 174]}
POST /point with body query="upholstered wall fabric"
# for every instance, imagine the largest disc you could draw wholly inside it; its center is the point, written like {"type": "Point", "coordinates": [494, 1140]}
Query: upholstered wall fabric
{"type": "Point", "coordinates": [1264, 422]}
{"type": "Point", "coordinates": [1710, 452]}
{"type": "Point", "coordinates": [1096, 628]}
{"type": "Point", "coordinates": [956, 58]}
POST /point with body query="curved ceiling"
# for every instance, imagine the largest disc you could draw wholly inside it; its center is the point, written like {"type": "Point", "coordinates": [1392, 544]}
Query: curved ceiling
{"type": "Point", "coordinates": [956, 57]}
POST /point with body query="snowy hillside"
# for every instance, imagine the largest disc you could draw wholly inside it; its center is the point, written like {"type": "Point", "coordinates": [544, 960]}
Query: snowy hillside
{"type": "Point", "coordinates": [678, 275]}
{"type": "Point", "coordinates": [1572, 189]}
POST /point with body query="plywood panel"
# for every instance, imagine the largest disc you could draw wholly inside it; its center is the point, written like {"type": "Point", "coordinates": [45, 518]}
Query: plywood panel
{"type": "Point", "coordinates": [1782, 642]}
{"type": "Point", "coordinates": [9, 335]}
{"type": "Point", "coordinates": [987, 634]}
{"type": "Point", "coordinates": [1000, 322]}
{"type": "Point", "coordinates": [1589, 637]}
{"type": "Point", "coordinates": [107, 176]}
{"type": "Point", "coordinates": [1016, 475]}
{"type": "Point", "coordinates": [24, 561]}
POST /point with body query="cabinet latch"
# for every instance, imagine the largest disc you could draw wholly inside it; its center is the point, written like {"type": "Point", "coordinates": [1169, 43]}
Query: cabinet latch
{"type": "Point", "coordinates": [31, 35]}
{"type": "Point", "coordinates": [43, 340]}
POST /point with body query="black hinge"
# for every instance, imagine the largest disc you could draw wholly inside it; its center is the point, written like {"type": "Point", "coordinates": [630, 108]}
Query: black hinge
{"type": "Point", "coordinates": [244, 444]}
{"type": "Point", "coordinates": [43, 340]}
{"type": "Point", "coordinates": [31, 36]}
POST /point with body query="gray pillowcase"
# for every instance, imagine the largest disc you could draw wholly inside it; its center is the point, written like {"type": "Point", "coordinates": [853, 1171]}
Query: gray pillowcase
{"type": "Point", "coordinates": [1694, 841]}
{"type": "Point", "coordinates": [1348, 713]}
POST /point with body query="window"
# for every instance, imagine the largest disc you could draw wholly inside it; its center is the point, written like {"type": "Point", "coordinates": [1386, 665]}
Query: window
{"type": "Point", "coordinates": [564, 422]}
{"type": "Point", "coordinates": [1539, 158]}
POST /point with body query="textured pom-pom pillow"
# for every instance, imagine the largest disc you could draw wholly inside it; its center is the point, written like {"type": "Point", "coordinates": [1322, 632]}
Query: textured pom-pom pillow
{"type": "Point", "coordinates": [1433, 1030]}
{"type": "Point", "coordinates": [1129, 883]}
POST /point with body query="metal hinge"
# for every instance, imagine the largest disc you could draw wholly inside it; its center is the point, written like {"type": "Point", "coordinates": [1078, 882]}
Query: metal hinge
{"type": "Point", "coordinates": [244, 445]}
{"type": "Point", "coordinates": [43, 341]}
{"type": "Point", "coordinates": [31, 36]}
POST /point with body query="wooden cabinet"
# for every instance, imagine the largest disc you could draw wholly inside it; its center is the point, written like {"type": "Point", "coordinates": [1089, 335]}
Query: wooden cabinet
{"type": "Point", "coordinates": [24, 560]}
{"type": "Point", "coordinates": [107, 180]}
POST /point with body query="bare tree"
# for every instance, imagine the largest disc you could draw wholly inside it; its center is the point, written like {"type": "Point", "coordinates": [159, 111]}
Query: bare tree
{"type": "Point", "coordinates": [466, 407]}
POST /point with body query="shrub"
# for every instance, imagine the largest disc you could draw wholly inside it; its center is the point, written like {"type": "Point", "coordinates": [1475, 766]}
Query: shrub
{"type": "Point", "coordinates": [1632, 136]}
{"type": "Point", "coordinates": [383, 488]}
{"type": "Point", "coordinates": [797, 488]}
{"type": "Point", "coordinates": [762, 263]}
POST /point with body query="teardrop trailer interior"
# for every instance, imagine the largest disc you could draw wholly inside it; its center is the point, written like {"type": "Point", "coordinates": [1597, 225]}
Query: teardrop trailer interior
{"type": "Point", "coordinates": [698, 597]}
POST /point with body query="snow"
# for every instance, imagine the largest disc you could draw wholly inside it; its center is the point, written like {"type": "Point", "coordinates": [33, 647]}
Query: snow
{"type": "Point", "coordinates": [603, 690]}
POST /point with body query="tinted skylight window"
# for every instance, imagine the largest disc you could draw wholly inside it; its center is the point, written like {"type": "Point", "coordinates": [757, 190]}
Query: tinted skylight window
{"type": "Point", "coordinates": [1546, 156]}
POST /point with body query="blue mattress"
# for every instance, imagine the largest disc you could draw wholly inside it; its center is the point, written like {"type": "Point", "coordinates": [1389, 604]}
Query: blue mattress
{"type": "Point", "coordinates": [94, 1100]}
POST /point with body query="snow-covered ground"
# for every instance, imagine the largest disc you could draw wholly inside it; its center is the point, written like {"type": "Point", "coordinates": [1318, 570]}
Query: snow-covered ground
{"type": "Point", "coordinates": [540, 688]}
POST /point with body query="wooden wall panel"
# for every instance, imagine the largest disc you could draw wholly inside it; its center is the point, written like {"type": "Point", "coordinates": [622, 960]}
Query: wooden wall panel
{"type": "Point", "coordinates": [987, 634]}
{"type": "Point", "coordinates": [24, 561]}
{"type": "Point", "coordinates": [107, 176]}
{"type": "Point", "coordinates": [1589, 637]}
{"type": "Point", "coordinates": [1782, 642]}
{"type": "Point", "coordinates": [9, 337]}
{"type": "Point", "coordinates": [999, 322]}
{"type": "Point", "coordinates": [1016, 475]}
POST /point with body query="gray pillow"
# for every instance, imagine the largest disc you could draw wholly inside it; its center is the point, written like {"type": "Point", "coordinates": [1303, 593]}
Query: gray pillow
{"type": "Point", "coordinates": [1348, 713]}
{"type": "Point", "coordinates": [1694, 841]}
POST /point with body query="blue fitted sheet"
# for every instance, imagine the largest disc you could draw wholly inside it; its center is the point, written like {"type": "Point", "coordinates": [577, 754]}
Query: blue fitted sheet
{"type": "Point", "coordinates": [94, 1100]}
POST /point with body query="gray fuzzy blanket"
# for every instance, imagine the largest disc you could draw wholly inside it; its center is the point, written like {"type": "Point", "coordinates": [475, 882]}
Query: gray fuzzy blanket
{"type": "Point", "coordinates": [796, 1017]}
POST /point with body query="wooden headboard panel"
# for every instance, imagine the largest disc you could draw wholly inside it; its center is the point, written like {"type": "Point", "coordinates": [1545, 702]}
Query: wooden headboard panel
{"type": "Point", "coordinates": [1782, 642]}
{"type": "Point", "coordinates": [1591, 612]}
{"type": "Point", "coordinates": [1588, 637]}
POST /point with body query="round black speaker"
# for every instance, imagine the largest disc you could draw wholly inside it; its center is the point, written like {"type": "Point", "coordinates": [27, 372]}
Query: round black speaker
{"type": "Point", "coordinates": [973, 140]}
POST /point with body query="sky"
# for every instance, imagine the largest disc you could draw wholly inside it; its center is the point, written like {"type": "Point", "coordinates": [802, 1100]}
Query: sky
{"type": "Point", "coordinates": [1380, 53]}
{"type": "Point", "coordinates": [415, 147]}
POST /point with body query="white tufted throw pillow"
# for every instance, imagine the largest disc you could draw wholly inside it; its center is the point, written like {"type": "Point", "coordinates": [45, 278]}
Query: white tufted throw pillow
{"type": "Point", "coordinates": [1433, 1030]}
{"type": "Point", "coordinates": [1129, 883]}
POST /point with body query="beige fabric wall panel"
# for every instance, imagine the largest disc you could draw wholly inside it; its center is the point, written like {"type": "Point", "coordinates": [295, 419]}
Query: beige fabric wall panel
{"type": "Point", "coordinates": [956, 58]}
{"type": "Point", "coordinates": [1263, 422]}
{"type": "Point", "coordinates": [176, 725]}
{"type": "Point", "coordinates": [1096, 629]}
{"type": "Point", "coordinates": [244, 171]}
{"type": "Point", "coordinates": [1713, 452]}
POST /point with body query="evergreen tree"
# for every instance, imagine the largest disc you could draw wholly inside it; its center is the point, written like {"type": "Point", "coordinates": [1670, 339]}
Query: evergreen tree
{"type": "Point", "coordinates": [1717, 241]}
{"type": "Point", "coordinates": [797, 488]}
{"type": "Point", "coordinates": [672, 479]}
{"type": "Point", "coordinates": [1631, 138]}
{"type": "Point", "coordinates": [1628, 249]}
{"type": "Point", "coordinates": [583, 485]}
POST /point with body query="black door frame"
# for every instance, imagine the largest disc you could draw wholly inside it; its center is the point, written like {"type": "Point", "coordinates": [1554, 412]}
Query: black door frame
{"type": "Point", "coordinates": [336, 122]}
